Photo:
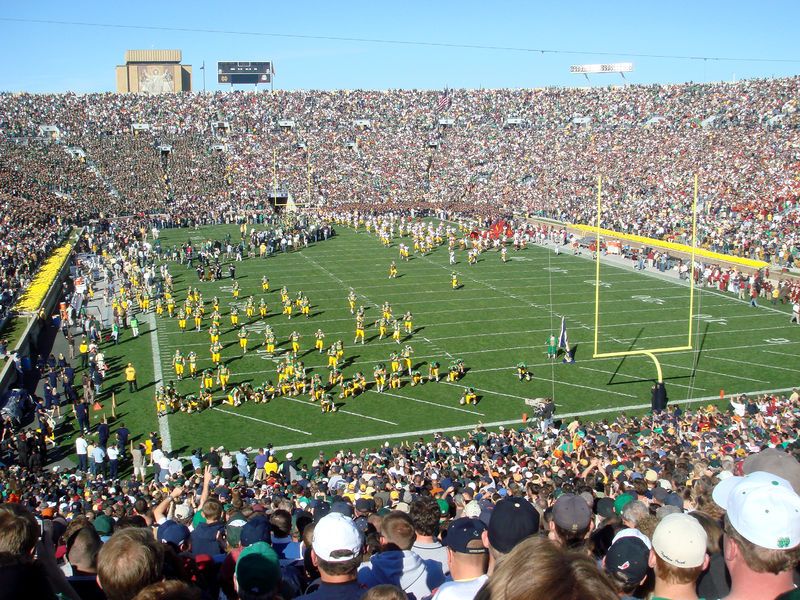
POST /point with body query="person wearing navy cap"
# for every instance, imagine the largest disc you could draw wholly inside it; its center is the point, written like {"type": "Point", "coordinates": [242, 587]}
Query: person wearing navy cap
{"type": "Point", "coordinates": [468, 559]}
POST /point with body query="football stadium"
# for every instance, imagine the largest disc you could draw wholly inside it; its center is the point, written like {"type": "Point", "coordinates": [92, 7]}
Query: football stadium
{"type": "Point", "coordinates": [284, 338]}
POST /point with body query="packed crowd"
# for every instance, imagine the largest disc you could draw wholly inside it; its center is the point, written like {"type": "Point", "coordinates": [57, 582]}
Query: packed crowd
{"type": "Point", "coordinates": [218, 157]}
{"type": "Point", "coordinates": [634, 507]}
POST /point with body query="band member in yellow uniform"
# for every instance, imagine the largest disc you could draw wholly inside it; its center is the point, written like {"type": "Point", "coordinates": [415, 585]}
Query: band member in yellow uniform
{"type": "Point", "coordinates": [392, 270]}
{"type": "Point", "coordinates": [288, 308]}
{"type": "Point", "coordinates": [269, 341]}
{"type": "Point", "coordinates": [394, 362]}
{"type": "Point", "coordinates": [250, 308]}
{"type": "Point", "coordinates": [242, 335]}
{"type": "Point", "coordinates": [216, 318]}
{"type": "Point", "coordinates": [159, 307]}
{"type": "Point", "coordinates": [305, 307]}
{"type": "Point", "coordinates": [433, 371]}
{"type": "Point", "coordinates": [182, 321]}
{"type": "Point", "coordinates": [262, 309]}
{"type": "Point", "coordinates": [216, 349]}
{"type": "Point", "coordinates": [234, 316]}
{"type": "Point", "coordinates": [294, 338]}
{"type": "Point", "coordinates": [386, 309]}
{"type": "Point", "coordinates": [339, 350]}
{"type": "Point", "coordinates": [327, 404]}
{"type": "Point", "coordinates": [178, 363]}
{"type": "Point", "coordinates": [408, 322]}
{"type": "Point", "coordinates": [332, 361]}
{"type": "Point", "coordinates": [265, 284]}
{"type": "Point", "coordinates": [215, 304]}
{"type": "Point", "coordinates": [380, 377]}
{"type": "Point", "coordinates": [383, 327]}
{"type": "Point", "coordinates": [208, 381]}
{"type": "Point", "coordinates": [284, 294]}
{"type": "Point", "coordinates": [236, 289]}
{"type": "Point", "coordinates": [406, 356]}
{"type": "Point", "coordinates": [319, 342]}
{"type": "Point", "coordinates": [351, 300]}
{"type": "Point", "coordinates": [223, 376]}
{"type": "Point", "coordinates": [454, 280]}
{"type": "Point", "coordinates": [396, 331]}
{"type": "Point", "coordinates": [170, 306]}
{"type": "Point", "coordinates": [416, 378]}
{"type": "Point", "coordinates": [469, 397]}
{"type": "Point", "coordinates": [193, 364]}
{"type": "Point", "coordinates": [359, 330]}
{"type": "Point", "coordinates": [395, 381]}
{"type": "Point", "coordinates": [213, 333]}
{"type": "Point", "coordinates": [198, 319]}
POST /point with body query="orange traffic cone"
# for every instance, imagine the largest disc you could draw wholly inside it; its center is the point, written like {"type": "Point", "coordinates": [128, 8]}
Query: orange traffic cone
{"type": "Point", "coordinates": [524, 418]}
{"type": "Point", "coordinates": [722, 394]}
{"type": "Point", "coordinates": [97, 406]}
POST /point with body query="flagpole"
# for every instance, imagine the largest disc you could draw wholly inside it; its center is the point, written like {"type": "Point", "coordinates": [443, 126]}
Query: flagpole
{"type": "Point", "coordinates": [203, 69]}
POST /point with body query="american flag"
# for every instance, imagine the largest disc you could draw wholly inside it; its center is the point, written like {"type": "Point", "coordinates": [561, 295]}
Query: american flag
{"type": "Point", "coordinates": [444, 101]}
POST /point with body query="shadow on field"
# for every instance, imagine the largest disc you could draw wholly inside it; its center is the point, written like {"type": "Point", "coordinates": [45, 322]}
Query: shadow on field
{"type": "Point", "coordinates": [622, 362]}
{"type": "Point", "coordinates": [699, 350]}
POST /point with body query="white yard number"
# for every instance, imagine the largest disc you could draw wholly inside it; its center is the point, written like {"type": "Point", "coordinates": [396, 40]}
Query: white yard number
{"type": "Point", "coordinates": [711, 319]}
{"type": "Point", "coordinates": [648, 299]}
{"type": "Point", "coordinates": [603, 284]}
{"type": "Point", "coordinates": [778, 341]}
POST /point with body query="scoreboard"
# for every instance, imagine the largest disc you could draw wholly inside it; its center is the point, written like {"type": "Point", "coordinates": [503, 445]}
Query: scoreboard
{"type": "Point", "coordinates": [245, 73]}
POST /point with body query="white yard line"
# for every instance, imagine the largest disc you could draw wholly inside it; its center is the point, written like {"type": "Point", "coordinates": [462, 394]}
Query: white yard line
{"type": "Point", "coordinates": [464, 410]}
{"type": "Point", "coordinates": [339, 410]}
{"type": "Point", "coordinates": [585, 413]}
{"type": "Point", "coordinates": [672, 384]}
{"type": "Point", "coordinates": [235, 414]}
{"type": "Point", "coordinates": [750, 363]}
{"type": "Point", "coordinates": [158, 377]}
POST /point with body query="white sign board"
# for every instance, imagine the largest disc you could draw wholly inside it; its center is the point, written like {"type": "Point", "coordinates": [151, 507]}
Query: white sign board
{"type": "Point", "coordinates": [602, 68]}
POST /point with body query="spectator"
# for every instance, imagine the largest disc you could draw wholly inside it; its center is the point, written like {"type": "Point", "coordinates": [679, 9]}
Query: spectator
{"type": "Point", "coordinates": [511, 521]}
{"type": "Point", "coordinates": [550, 572]}
{"type": "Point", "coordinates": [425, 513]}
{"type": "Point", "coordinates": [336, 550]}
{"type": "Point", "coordinates": [572, 522]}
{"type": "Point", "coordinates": [762, 534]}
{"type": "Point", "coordinates": [626, 563]}
{"type": "Point", "coordinates": [467, 558]}
{"type": "Point", "coordinates": [397, 564]}
{"type": "Point", "coordinates": [130, 561]}
{"type": "Point", "coordinates": [258, 573]}
{"type": "Point", "coordinates": [678, 557]}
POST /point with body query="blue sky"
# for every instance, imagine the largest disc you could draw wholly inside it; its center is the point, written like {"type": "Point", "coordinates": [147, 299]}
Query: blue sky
{"type": "Point", "coordinates": [55, 58]}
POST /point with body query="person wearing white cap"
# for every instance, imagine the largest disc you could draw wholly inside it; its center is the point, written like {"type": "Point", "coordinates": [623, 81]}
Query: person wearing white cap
{"type": "Point", "coordinates": [336, 550]}
{"type": "Point", "coordinates": [762, 534]}
{"type": "Point", "coordinates": [678, 557]}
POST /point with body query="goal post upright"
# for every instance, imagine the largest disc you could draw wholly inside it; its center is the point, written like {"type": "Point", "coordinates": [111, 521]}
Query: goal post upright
{"type": "Point", "coordinates": [650, 352]}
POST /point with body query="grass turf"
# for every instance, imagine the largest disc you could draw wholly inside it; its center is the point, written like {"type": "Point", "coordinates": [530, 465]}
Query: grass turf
{"type": "Point", "coordinates": [501, 315]}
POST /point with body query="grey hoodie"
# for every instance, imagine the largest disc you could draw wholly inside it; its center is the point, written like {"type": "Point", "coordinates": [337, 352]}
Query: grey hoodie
{"type": "Point", "coordinates": [405, 569]}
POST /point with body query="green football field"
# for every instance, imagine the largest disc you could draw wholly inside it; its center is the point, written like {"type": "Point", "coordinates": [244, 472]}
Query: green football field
{"type": "Point", "coordinates": [501, 315]}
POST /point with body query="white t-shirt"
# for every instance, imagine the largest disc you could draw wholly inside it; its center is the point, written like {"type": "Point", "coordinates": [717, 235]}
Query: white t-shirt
{"type": "Point", "coordinates": [460, 590]}
{"type": "Point", "coordinates": [81, 446]}
{"type": "Point", "coordinates": [112, 452]}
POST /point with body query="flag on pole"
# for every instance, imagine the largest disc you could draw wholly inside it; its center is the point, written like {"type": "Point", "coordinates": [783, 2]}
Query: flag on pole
{"type": "Point", "coordinates": [444, 101]}
{"type": "Point", "coordinates": [563, 339]}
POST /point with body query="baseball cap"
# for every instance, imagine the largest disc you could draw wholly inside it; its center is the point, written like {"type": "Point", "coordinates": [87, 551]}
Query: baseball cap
{"type": "Point", "coordinates": [365, 505]}
{"type": "Point", "coordinates": [258, 569]}
{"type": "Point", "coordinates": [103, 524]}
{"type": "Point", "coordinates": [255, 530]}
{"type": "Point", "coordinates": [628, 557]}
{"type": "Point", "coordinates": [763, 508]}
{"type": "Point", "coordinates": [631, 532]}
{"type": "Point", "coordinates": [336, 534]}
{"type": "Point", "coordinates": [321, 509]}
{"type": "Point", "coordinates": [183, 511]}
{"type": "Point", "coordinates": [621, 501]}
{"type": "Point", "coordinates": [461, 532]}
{"type": "Point", "coordinates": [512, 520]}
{"type": "Point", "coordinates": [778, 463]}
{"type": "Point", "coordinates": [343, 508]}
{"type": "Point", "coordinates": [680, 540]}
{"type": "Point", "coordinates": [571, 512]}
{"type": "Point", "coordinates": [233, 530]}
{"type": "Point", "coordinates": [472, 509]}
{"type": "Point", "coordinates": [171, 532]}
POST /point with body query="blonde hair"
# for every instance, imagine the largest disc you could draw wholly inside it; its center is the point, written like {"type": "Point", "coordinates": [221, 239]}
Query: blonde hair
{"type": "Point", "coordinates": [538, 569]}
{"type": "Point", "coordinates": [385, 592]}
